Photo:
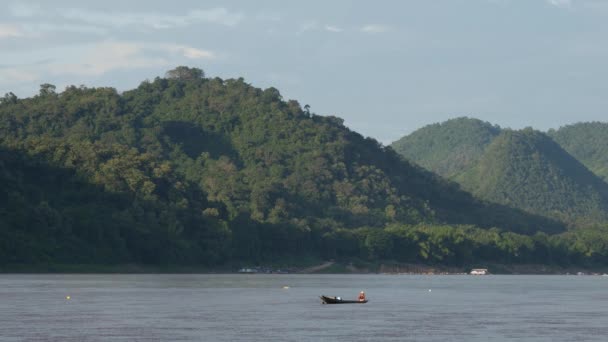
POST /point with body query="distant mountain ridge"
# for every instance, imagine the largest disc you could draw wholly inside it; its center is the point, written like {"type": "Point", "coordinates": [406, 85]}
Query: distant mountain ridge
{"type": "Point", "coordinates": [524, 169]}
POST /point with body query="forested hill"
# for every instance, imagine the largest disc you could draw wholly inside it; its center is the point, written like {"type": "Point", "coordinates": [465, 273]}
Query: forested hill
{"type": "Point", "coordinates": [528, 170]}
{"type": "Point", "coordinates": [448, 148]}
{"type": "Point", "coordinates": [587, 142]}
{"type": "Point", "coordinates": [524, 169]}
{"type": "Point", "coordinates": [193, 169]}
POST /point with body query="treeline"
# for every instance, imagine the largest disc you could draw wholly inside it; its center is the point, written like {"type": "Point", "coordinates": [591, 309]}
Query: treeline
{"type": "Point", "coordinates": [468, 245]}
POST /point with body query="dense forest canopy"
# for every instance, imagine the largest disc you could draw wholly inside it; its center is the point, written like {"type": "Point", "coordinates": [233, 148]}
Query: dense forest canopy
{"type": "Point", "coordinates": [195, 170]}
{"type": "Point", "coordinates": [587, 142]}
{"type": "Point", "coordinates": [448, 148]}
{"type": "Point", "coordinates": [528, 170]}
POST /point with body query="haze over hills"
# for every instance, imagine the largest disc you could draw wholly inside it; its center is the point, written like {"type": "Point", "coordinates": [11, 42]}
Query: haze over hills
{"type": "Point", "coordinates": [193, 170]}
{"type": "Point", "coordinates": [524, 169]}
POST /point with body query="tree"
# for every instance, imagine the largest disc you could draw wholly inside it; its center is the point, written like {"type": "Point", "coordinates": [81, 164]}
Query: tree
{"type": "Point", "coordinates": [9, 98]}
{"type": "Point", "coordinates": [185, 73]}
{"type": "Point", "coordinates": [47, 89]}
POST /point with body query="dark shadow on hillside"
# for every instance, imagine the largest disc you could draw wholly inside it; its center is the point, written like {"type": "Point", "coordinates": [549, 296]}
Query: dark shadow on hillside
{"type": "Point", "coordinates": [51, 215]}
{"type": "Point", "coordinates": [194, 140]}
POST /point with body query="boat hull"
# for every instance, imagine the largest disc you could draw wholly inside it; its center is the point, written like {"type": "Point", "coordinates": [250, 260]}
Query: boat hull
{"type": "Point", "coordinates": [335, 300]}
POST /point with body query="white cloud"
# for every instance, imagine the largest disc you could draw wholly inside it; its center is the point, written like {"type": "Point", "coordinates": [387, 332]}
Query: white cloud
{"type": "Point", "coordinates": [308, 26]}
{"type": "Point", "coordinates": [82, 20]}
{"type": "Point", "coordinates": [374, 28]}
{"type": "Point", "coordinates": [193, 53]}
{"type": "Point", "coordinates": [39, 29]}
{"type": "Point", "coordinates": [92, 60]}
{"type": "Point", "coordinates": [98, 59]}
{"type": "Point", "coordinates": [10, 31]}
{"type": "Point", "coordinates": [560, 3]}
{"type": "Point", "coordinates": [332, 28]}
{"type": "Point", "coordinates": [315, 26]}
{"type": "Point", "coordinates": [101, 58]}
{"type": "Point", "coordinates": [152, 20]}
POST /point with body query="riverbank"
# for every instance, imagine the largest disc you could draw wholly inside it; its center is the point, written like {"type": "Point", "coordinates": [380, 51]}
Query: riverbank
{"type": "Point", "coordinates": [407, 268]}
{"type": "Point", "coordinates": [312, 266]}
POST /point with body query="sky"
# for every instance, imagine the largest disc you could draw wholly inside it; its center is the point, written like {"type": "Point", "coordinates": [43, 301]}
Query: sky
{"type": "Point", "coordinates": [386, 67]}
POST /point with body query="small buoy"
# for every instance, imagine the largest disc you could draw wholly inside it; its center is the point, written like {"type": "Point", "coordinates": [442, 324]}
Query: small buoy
{"type": "Point", "coordinates": [285, 287]}
{"type": "Point", "coordinates": [429, 290]}
{"type": "Point", "coordinates": [67, 297]}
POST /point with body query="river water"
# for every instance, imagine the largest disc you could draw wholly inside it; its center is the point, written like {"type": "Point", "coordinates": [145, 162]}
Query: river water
{"type": "Point", "coordinates": [161, 307]}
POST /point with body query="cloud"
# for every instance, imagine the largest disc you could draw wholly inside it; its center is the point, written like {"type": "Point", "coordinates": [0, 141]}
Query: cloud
{"type": "Point", "coordinates": [332, 28]}
{"type": "Point", "coordinates": [308, 26]}
{"type": "Point", "coordinates": [193, 53]}
{"type": "Point", "coordinates": [374, 28]}
{"type": "Point", "coordinates": [39, 29]}
{"type": "Point", "coordinates": [560, 3]}
{"type": "Point", "coordinates": [108, 56]}
{"type": "Point", "coordinates": [81, 20]}
{"type": "Point", "coordinates": [10, 31]}
{"type": "Point", "coordinates": [152, 20]}
{"type": "Point", "coordinates": [315, 26]}
{"type": "Point", "coordinates": [96, 59]}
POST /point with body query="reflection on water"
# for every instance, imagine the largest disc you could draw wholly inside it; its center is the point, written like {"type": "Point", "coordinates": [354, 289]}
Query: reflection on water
{"type": "Point", "coordinates": [260, 307]}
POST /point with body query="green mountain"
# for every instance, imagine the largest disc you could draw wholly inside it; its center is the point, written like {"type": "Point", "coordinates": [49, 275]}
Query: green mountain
{"type": "Point", "coordinates": [193, 170]}
{"type": "Point", "coordinates": [587, 142]}
{"type": "Point", "coordinates": [528, 170]}
{"type": "Point", "coordinates": [448, 148]}
{"type": "Point", "coordinates": [523, 169]}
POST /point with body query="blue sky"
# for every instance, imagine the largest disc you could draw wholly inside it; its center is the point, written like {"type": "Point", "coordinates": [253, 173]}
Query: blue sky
{"type": "Point", "coordinates": [386, 67]}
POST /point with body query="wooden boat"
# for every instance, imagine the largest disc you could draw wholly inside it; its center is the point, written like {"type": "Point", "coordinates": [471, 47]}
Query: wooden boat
{"type": "Point", "coordinates": [338, 300]}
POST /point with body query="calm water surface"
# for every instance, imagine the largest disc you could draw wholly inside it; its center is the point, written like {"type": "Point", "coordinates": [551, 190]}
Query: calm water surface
{"type": "Point", "coordinates": [257, 308]}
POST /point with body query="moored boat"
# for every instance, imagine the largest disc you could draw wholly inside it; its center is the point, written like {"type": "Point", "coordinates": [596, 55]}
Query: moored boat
{"type": "Point", "coordinates": [338, 300]}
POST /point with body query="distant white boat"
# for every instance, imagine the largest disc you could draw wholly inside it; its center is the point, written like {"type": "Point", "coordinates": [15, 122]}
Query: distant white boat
{"type": "Point", "coordinates": [248, 270]}
{"type": "Point", "coordinates": [479, 271]}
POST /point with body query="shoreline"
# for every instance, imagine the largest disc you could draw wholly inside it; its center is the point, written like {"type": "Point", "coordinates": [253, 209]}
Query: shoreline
{"type": "Point", "coordinates": [327, 267]}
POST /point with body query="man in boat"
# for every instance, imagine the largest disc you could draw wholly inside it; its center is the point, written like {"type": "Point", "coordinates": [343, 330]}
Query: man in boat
{"type": "Point", "coordinates": [362, 296]}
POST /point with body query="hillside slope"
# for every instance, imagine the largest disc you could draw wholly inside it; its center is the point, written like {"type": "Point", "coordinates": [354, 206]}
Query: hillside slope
{"type": "Point", "coordinates": [587, 142]}
{"type": "Point", "coordinates": [448, 148]}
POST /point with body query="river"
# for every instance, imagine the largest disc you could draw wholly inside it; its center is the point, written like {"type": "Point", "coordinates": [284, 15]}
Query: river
{"type": "Point", "coordinates": [260, 307]}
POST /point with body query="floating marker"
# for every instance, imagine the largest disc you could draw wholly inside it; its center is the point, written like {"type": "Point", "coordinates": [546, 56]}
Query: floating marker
{"type": "Point", "coordinates": [285, 287]}
{"type": "Point", "coordinates": [429, 290]}
{"type": "Point", "coordinates": [67, 297]}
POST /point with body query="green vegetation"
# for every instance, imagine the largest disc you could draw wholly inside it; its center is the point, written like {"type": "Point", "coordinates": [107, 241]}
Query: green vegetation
{"type": "Point", "coordinates": [187, 170]}
{"type": "Point", "coordinates": [587, 142]}
{"type": "Point", "coordinates": [528, 170]}
{"type": "Point", "coordinates": [523, 169]}
{"type": "Point", "coordinates": [448, 148]}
